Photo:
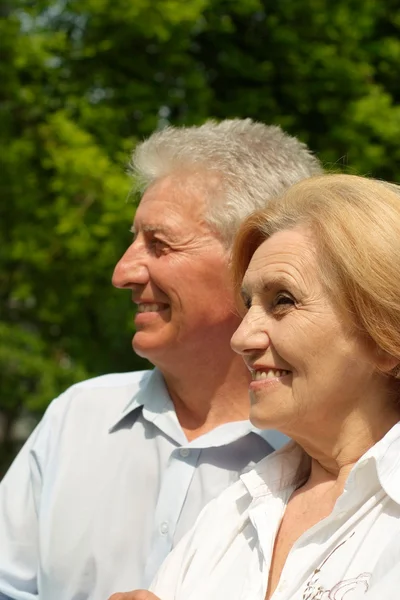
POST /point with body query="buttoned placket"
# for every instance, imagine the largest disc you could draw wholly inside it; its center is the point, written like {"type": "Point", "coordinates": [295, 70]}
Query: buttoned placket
{"type": "Point", "coordinates": [177, 477]}
{"type": "Point", "coordinates": [266, 513]}
{"type": "Point", "coordinates": [295, 566]}
{"type": "Point", "coordinates": [181, 466]}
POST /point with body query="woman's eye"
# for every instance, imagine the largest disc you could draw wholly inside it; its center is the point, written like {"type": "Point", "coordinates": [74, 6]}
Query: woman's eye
{"type": "Point", "coordinates": [283, 300]}
{"type": "Point", "coordinates": [246, 300]}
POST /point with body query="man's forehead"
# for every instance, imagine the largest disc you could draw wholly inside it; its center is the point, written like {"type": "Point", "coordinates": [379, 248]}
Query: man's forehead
{"type": "Point", "coordinates": [168, 214]}
{"type": "Point", "coordinates": [177, 195]}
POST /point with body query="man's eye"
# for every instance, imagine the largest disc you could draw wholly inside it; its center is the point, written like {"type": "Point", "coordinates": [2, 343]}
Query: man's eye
{"type": "Point", "coordinates": [159, 247]}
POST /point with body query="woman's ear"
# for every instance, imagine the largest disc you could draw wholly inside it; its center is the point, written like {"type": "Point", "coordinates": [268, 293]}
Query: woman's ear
{"type": "Point", "coordinates": [387, 363]}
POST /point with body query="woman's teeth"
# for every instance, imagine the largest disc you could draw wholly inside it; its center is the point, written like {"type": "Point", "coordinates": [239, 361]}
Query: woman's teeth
{"type": "Point", "coordinates": [269, 374]}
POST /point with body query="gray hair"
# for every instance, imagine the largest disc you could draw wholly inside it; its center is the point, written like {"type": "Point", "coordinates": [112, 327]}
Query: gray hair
{"type": "Point", "coordinates": [253, 163]}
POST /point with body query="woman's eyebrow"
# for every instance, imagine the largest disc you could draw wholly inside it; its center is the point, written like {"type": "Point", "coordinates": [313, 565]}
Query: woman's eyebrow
{"type": "Point", "coordinates": [280, 282]}
{"type": "Point", "coordinates": [272, 282]}
{"type": "Point", "coordinates": [269, 283]}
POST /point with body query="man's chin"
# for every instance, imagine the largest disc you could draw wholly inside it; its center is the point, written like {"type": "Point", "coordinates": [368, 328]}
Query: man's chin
{"type": "Point", "coordinates": [148, 348]}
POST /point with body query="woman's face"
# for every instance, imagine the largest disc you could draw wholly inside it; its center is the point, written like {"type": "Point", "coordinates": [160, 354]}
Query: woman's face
{"type": "Point", "coordinates": [308, 365]}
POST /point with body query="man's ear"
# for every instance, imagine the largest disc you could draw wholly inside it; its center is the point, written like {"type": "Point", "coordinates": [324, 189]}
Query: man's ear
{"type": "Point", "coordinates": [387, 363]}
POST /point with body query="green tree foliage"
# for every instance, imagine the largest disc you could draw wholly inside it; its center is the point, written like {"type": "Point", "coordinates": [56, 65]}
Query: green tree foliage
{"type": "Point", "coordinates": [83, 80]}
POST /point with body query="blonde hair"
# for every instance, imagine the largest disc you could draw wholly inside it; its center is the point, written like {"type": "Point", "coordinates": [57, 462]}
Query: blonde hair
{"type": "Point", "coordinates": [355, 222]}
{"type": "Point", "coordinates": [253, 162]}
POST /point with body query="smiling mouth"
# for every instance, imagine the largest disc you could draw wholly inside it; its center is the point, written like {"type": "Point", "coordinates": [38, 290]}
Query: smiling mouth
{"type": "Point", "coordinates": [151, 307]}
{"type": "Point", "coordinates": [259, 375]}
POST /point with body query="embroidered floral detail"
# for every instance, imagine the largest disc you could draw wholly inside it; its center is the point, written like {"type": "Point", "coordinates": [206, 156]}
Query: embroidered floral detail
{"type": "Point", "coordinates": [341, 589]}
{"type": "Point", "coordinates": [315, 591]}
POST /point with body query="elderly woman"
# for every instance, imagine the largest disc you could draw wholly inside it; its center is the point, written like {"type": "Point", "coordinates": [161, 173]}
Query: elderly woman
{"type": "Point", "coordinates": [319, 273]}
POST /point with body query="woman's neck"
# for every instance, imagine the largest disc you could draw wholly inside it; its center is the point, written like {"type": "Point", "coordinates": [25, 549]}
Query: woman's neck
{"type": "Point", "coordinates": [335, 450]}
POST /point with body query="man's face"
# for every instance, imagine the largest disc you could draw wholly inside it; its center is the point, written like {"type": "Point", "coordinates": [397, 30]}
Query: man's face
{"type": "Point", "coordinates": [177, 269]}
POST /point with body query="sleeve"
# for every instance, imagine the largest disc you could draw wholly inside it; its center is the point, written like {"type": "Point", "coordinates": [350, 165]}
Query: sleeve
{"type": "Point", "coordinates": [20, 493]}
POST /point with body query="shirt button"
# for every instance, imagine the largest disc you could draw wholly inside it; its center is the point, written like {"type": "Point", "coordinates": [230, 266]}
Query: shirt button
{"type": "Point", "coordinates": [164, 528]}
{"type": "Point", "coordinates": [184, 452]}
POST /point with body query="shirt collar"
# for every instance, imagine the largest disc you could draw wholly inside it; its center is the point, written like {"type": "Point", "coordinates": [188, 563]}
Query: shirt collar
{"type": "Point", "coordinates": [153, 398]}
{"type": "Point", "coordinates": [152, 395]}
{"type": "Point", "coordinates": [385, 456]}
{"type": "Point", "coordinates": [287, 467]}
{"type": "Point", "coordinates": [291, 465]}
{"type": "Point", "coordinates": [151, 391]}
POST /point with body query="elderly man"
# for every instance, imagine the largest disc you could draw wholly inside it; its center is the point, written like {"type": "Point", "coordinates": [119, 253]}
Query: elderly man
{"type": "Point", "coordinates": [121, 465]}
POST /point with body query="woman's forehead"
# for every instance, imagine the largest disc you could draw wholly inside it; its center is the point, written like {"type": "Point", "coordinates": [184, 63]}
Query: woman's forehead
{"type": "Point", "coordinates": [286, 258]}
{"type": "Point", "coordinates": [287, 246]}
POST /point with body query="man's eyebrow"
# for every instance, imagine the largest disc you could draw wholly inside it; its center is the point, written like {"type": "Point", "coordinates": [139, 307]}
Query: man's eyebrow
{"type": "Point", "coordinates": [154, 229]}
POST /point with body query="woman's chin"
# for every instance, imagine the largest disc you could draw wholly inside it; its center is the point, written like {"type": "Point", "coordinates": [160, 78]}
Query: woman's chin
{"type": "Point", "coordinates": [263, 419]}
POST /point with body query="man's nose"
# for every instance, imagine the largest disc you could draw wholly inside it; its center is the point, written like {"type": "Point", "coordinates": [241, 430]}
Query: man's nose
{"type": "Point", "coordinates": [251, 335]}
{"type": "Point", "coordinates": [132, 267]}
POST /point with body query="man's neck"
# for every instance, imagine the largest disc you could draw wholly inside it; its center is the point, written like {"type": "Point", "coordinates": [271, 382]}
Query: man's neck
{"type": "Point", "coordinates": [208, 395]}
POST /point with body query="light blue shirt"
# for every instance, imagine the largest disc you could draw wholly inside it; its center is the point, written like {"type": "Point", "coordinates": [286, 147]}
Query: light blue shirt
{"type": "Point", "coordinates": [106, 486]}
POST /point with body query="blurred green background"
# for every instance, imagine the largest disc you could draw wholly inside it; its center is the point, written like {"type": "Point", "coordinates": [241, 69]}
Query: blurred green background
{"type": "Point", "coordinates": [83, 80]}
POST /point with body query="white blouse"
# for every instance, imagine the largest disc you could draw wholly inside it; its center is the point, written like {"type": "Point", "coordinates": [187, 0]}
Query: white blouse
{"type": "Point", "coordinates": [352, 554]}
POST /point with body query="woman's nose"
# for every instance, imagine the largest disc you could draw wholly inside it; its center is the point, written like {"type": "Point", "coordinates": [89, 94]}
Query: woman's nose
{"type": "Point", "coordinates": [132, 268]}
{"type": "Point", "coordinates": [251, 335]}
